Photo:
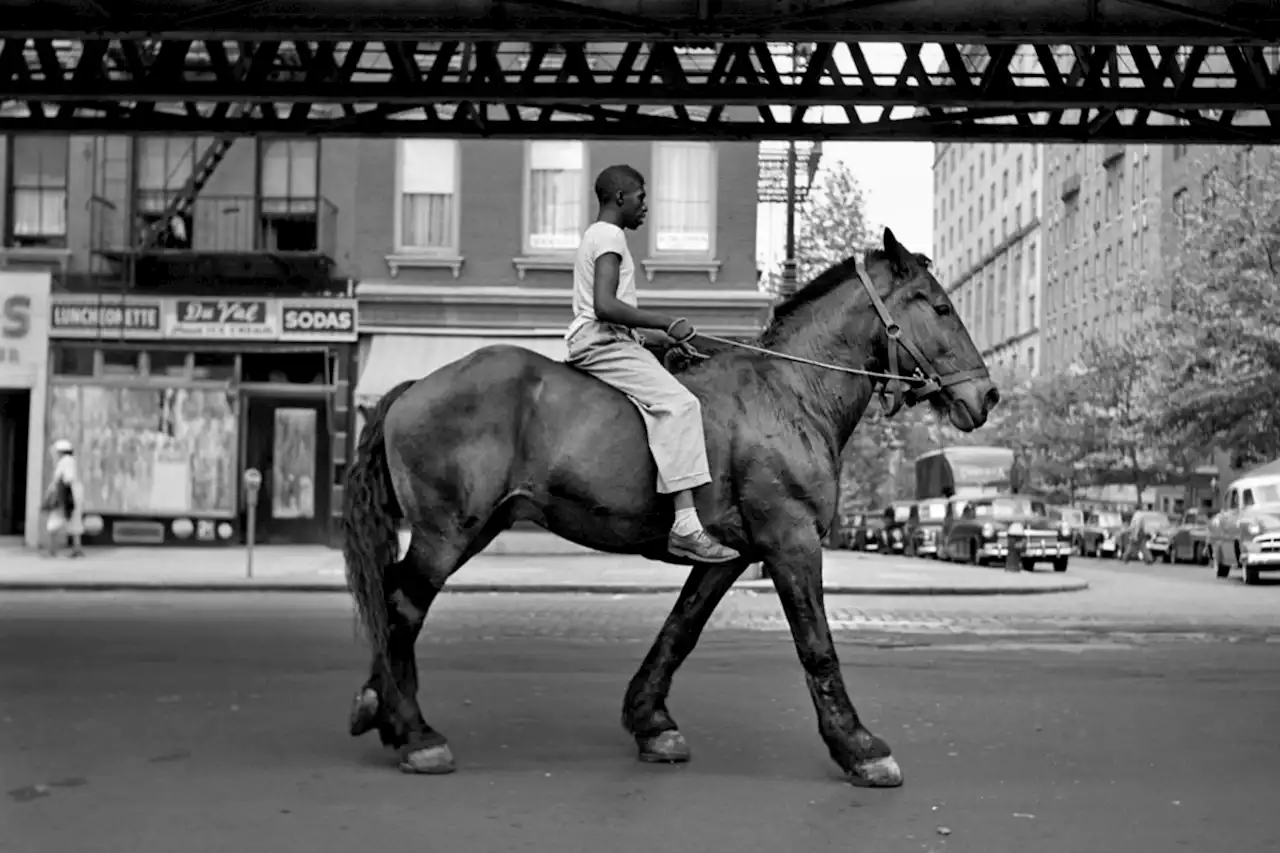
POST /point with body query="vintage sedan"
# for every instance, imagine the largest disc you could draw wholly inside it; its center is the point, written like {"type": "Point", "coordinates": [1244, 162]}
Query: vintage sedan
{"type": "Point", "coordinates": [1190, 540]}
{"type": "Point", "coordinates": [1073, 519]}
{"type": "Point", "coordinates": [1246, 533]}
{"type": "Point", "coordinates": [980, 529]}
{"type": "Point", "coordinates": [896, 516]}
{"type": "Point", "coordinates": [924, 528]}
{"type": "Point", "coordinates": [864, 531]}
{"type": "Point", "coordinates": [1100, 535]}
{"type": "Point", "coordinates": [1147, 536]}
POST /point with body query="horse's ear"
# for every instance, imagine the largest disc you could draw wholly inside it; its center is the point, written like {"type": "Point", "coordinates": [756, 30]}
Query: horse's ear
{"type": "Point", "coordinates": [896, 253]}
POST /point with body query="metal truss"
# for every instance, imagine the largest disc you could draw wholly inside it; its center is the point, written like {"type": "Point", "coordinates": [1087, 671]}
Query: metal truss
{"type": "Point", "coordinates": [828, 90]}
{"type": "Point", "coordinates": [1054, 21]}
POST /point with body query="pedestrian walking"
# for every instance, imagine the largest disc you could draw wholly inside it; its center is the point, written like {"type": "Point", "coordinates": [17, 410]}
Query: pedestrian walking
{"type": "Point", "coordinates": [63, 502]}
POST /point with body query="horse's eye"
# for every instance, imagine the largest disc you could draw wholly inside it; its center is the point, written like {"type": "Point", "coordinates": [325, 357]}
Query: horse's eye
{"type": "Point", "coordinates": [943, 309]}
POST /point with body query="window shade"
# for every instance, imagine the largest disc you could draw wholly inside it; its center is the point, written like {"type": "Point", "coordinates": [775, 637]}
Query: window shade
{"type": "Point", "coordinates": [428, 166]}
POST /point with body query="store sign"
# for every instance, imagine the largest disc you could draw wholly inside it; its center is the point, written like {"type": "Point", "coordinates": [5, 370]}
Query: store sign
{"type": "Point", "coordinates": [90, 318]}
{"type": "Point", "coordinates": [187, 318]}
{"type": "Point", "coordinates": [234, 319]}
{"type": "Point", "coordinates": [325, 320]}
{"type": "Point", "coordinates": [24, 327]}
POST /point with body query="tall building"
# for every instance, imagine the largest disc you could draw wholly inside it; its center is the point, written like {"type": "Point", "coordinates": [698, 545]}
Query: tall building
{"type": "Point", "coordinates": [987, 202]}
{"type": "Point", "coordinates": [225, 305]}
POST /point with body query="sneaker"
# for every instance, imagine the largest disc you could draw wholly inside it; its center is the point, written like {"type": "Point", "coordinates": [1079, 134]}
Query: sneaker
{"type": "Point", "coordinates": [700, 548]}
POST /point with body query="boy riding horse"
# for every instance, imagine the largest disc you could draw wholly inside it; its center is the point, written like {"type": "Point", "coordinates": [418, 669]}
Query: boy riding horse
{"type": "Point", "coordinates": [603, 342]}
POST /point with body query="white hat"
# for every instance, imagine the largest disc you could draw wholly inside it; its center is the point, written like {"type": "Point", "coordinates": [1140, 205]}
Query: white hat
{"type": "Point", "coordinates": [62, 446]}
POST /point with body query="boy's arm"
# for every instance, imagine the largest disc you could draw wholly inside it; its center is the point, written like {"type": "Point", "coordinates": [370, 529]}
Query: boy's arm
{"type": "Point", "coordinates": [611, 309]}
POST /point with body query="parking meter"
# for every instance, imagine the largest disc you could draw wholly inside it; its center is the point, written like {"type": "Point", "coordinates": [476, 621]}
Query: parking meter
{"type": "Point", "coordinates": [252, 486]}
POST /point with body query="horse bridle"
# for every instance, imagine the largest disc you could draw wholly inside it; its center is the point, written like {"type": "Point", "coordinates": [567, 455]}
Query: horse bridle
{"type": "Point", "coordinates": [925, 380]}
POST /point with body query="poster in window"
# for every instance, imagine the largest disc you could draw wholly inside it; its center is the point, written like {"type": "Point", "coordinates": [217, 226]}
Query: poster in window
{"type": "Point", "coordinates": [293, 466]}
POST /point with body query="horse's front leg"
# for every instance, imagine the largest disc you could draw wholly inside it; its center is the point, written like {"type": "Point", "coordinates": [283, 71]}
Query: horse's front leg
{"type": "Point", "coordinates": [644, 709]}
{"type": "Point", "coordinates": [796, 569]}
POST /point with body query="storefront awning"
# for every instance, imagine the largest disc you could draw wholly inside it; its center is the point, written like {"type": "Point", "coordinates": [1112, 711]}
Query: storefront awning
{"type": "Point", "coordinates": [395, 358]}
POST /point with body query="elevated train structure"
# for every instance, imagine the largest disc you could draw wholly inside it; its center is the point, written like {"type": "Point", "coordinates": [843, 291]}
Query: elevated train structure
{"type": "Point", "coordinates": [1040, 70]}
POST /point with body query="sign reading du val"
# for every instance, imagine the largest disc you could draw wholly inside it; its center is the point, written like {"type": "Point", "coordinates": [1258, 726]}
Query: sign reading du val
{"type": "Point", "coordinates": [238, 319]}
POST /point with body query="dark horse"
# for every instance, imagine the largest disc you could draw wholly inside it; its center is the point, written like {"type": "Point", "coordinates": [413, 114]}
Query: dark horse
{"type": "Point", "coordinates": [506, 434]}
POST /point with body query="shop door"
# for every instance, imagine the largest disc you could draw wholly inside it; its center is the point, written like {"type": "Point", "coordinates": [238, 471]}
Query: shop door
{"type": "Point", "coordinates": [288, 441]}
{"type": "Point", "coordinates": [15, 412]}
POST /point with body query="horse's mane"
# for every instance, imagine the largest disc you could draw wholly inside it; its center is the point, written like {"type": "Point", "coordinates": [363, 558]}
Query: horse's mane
{"type": "Point", "coordinates": [827, 281]}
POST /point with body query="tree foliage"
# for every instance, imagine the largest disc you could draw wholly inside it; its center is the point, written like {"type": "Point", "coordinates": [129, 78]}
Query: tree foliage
{"type": "Point", "coordinates": [1220, 370]}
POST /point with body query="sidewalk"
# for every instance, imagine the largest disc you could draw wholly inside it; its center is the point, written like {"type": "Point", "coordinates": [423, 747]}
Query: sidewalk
{"type": "Point", "coordinates": [535, 565]}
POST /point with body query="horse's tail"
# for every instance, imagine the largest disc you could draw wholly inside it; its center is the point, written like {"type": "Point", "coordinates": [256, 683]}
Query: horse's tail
{"type": "Point", "coordinates": [370, 513]}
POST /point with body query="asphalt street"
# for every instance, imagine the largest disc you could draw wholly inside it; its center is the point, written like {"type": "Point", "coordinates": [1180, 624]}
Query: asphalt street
{"type": "Point", "coordinates": [215, 722]}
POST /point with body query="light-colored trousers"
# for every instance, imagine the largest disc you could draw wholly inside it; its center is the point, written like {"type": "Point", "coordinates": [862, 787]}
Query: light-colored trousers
{"type": "Point", "coordinates": [672, 415]}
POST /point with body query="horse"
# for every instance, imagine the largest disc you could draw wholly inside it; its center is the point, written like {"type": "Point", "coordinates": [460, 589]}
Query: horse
{"type": "Point", "coordinates": [505, 434]}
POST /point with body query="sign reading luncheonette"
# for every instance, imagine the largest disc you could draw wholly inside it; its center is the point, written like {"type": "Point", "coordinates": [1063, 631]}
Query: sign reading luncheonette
{"type": "Point", "coordinates": [216, 318]}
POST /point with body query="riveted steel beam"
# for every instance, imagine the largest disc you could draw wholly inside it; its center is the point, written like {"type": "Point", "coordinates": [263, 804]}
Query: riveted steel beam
{"type": "Point", "coordinates": [644, 89]}
{"type": "Point", "coordinates": [1076, 21]}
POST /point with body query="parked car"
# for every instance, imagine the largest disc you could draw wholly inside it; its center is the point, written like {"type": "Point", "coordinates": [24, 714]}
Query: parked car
{"type": "Point", "coordinates": [1073, 519]}
{"type": "Point", "coordinates": [895, 517]}
{"type": "Point", "coordinates": [1190, 540]}
{"type": "Point", "coordinates": [979, 530]}
{"type": "Point", "coordinates": [1099, 535]}
{"type": "Point", "coordinates": [1246, 533]}
{"type": "Point", "coordinates": [864, 530]}
{"type": "Point", "coordinates": [924, 527]}
{"type": "Point", "coordinates": [1147, 537]}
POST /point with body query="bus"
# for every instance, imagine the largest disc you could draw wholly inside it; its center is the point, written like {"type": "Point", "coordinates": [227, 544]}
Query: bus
{"type": "Point", "coordinates": [964, 472]}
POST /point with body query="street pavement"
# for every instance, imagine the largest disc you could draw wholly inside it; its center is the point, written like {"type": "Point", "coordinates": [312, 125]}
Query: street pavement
{"type": "Point", "coordinates": [527, 563]}
{"type": "Point", "coordinates": [1137, 715]}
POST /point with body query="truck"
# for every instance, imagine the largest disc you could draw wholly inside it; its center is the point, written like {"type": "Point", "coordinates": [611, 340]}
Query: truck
{"type": "Point", "coordinates": [965, 472]}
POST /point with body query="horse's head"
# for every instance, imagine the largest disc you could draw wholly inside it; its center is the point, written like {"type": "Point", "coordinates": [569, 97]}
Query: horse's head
{"type": "Point", "coordinates": [924, 334]}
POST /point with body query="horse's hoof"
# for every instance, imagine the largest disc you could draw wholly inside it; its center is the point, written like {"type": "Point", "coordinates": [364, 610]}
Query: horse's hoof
{"type": "Point", "coordinates": [364, 712]}
{"type": "Point", "coordinates": [430, 760]}
{"type": "Point", "coordinates": [877, 773]}
{"type": "Point", "coordinates": [669, 747]}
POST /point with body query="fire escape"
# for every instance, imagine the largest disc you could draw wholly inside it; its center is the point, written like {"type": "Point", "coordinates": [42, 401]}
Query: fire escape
{"type": "Point", "coordinates": [178, 238]}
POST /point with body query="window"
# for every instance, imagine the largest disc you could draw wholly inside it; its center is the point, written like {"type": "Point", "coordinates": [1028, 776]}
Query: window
{"type": "Point", "coordinates": [981, 207]}
{"type": "Point", "coordinates": [428, 210]}
{"type": "Point", "coordinates": [1035, 206]}
{"type": "Point", "coordinates": [1031, 354]}
{"type": "Point", "coordinates": [1018, 170]}
{"type": "Point", "coordinates": [290, 179]}
{"type": "Point", "coordinates": [1004, 184]}
{"type": "Point", "coordinates": [289, 194]}
{"type": "Point", "coordinates": [164, 166]}
{"type": "Point", "coordinates": [40, 190]}
{"type": "Point", "coordinates": [1034, 321]}
{"type": "Point", "coordinates": [683, 197]}
{"type": "Point", "coordinates": [556, 195]}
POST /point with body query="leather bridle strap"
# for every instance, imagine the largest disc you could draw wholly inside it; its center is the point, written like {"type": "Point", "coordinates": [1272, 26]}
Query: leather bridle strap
{"type": "Point", "coordinates": [926, 378]}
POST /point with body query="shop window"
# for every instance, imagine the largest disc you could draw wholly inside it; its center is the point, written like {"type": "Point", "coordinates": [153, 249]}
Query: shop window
{"type": "Point", "coordinates": [150, 450]}
{"type": "Point", "coordinates": [163, 362]}
{"type": "Point", "coordinates": [73, 360]}
{"type": "Point", "coordinates": [121, 362]}
{"type": "Point", "coordinates": [213, 365]}
{"type": "Point", "coordinates": [295, 368]}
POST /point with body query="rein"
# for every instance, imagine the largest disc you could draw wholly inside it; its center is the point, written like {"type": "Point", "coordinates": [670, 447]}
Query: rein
{"type": "Point", "coordinates": [911, 388]}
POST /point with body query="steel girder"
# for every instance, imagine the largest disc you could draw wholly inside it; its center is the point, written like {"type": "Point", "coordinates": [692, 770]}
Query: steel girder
{"type": "Point", "coordinates": [649, 90]}
{"type": "Point", "coordinates": [1071, 21]}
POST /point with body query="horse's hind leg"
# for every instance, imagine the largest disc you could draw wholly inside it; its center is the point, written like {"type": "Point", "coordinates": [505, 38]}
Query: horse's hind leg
{"type": "Point", "coordinates": [388, 699]}
{"type": "Point", "coordinates": [644, 709]}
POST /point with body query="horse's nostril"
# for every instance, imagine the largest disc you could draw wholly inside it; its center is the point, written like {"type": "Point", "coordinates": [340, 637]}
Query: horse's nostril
{"type": "Point", "coordinates": [991, 399]}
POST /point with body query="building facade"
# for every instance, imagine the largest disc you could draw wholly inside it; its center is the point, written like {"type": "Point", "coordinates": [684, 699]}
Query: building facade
{"type": "Point", "coordinates": [201, 325]}
{"type": "Point", "coordinates": [460, 245]}
{"type": "Point", "coordinates": [220, 306]}
{"type": "Point", "coordinates": [987, 204]}
{"type": "Point", "coordinates": [24, 350]}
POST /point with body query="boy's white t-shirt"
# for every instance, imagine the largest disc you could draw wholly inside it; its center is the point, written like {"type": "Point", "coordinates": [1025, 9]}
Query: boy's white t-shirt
{"type": "Point", "coordinates": [600, 238]}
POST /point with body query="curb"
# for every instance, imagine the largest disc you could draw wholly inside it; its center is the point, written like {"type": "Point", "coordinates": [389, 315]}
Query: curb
{"type": "Point", "coordinates": [463, 588]}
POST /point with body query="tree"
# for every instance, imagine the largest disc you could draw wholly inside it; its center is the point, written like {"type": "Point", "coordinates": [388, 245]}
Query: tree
{"type": "Point", "coordinates": [831, 223]}
{"type": "Point", "coordinates": [1221, 318]}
